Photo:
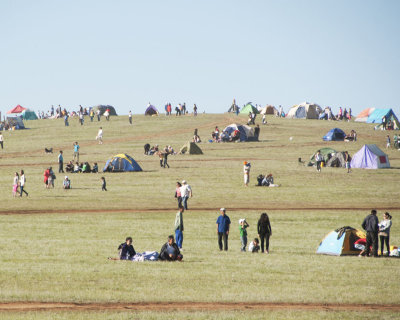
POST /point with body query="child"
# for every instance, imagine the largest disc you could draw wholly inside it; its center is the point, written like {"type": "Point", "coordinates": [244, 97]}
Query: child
{"type": "Point", "coordinates": [254, 245]}
{"type": "Point", "coordinates": [246, 172]}
{"type": "Point", "coordinates": [15, 184]}
{"type": "Point", "coordinates": [103, 184]}
{"type": "Point", "coordinates": [243, 225]}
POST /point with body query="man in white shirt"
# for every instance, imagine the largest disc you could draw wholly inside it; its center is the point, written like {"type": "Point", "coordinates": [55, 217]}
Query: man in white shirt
{"type": "Point", "coordinates": [1, 140]}
{"type": "Point", "coordinates": [130, 116]}
{"type": "Point", "coordinates": [100, 136]}
{"type": "Point", "coordinates": [186, 192]}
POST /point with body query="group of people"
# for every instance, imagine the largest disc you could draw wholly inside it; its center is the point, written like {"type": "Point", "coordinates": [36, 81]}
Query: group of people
{"type": "Point", "coordinates": [19, 182]}
{"type": "Point", "coordinates": [183, 192]}
{"type": "Point", "coordinates": [83, 167]}
{"type": "Point", "coordinates": [180, 109]}
{"type": "Point", "coordinates": [396, 142]}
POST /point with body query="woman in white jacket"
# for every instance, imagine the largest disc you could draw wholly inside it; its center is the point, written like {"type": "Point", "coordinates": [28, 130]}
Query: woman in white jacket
{"type": "Point", "coordinates": [384, 232]}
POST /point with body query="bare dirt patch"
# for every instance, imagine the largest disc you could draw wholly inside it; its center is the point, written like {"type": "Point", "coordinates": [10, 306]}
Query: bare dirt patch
{"type": "Point", "coordinates": [192, 306]}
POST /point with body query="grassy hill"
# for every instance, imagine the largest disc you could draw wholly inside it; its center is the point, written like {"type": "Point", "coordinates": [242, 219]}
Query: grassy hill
{"type": "Point", "coordinates": [55, 243]}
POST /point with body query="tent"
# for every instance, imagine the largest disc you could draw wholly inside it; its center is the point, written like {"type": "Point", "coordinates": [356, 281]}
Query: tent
{"type": "Point", "coordinates": [377, 115]}
{"type": "Point", "coordinates": [326, 153]}
{"type": "Point", "coordinates": [335, 134]}
{"type": "Point", "coordinates": [15, 122]}
{"type": "Point", "coordinates": [29, 115]}
{"type": "Point", "coordinates": [103, 109]}
{"type": "Point", "coordinates": [246, 132]}
{"type": "Point", "coordinates": [249, 108]}
{"type": "Point", "coordinates": [341, 242]}
{"type": "Point", "coordinates": [304, 110]}
{"type": "Point", "coordinates": [337, 160]}
{"type": "Point", "coordinates": [17, 109]}
{"type": "Point", "coordinates": [270, 110]}
{"type": "Point", "coordinates": [363, 115]}
{"type": "Point", "coordinates": [151, 111]}
{"type": "Point", "coordinates": [370, 157]}
{"type": "Point", "coordinates": [121, 163]}
{"type": "Point", "coordinates": [190, 148]}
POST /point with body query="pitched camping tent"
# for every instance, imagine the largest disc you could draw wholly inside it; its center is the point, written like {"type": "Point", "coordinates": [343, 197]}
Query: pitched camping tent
{"type": "Point", "coordinates": [190, 148]}
{"type": "Point", "coordinates": [341, 242]}
{"type": "Point", "coordinates": [103, 109]}
{"type": "Point", "coordinates": [337, 160]}
{"type": "Point", "coordinates": [246, 132]}
{"type": "Point", "coordinates": [363, 115]}
{"type": "Point", "coordinates": [377, 115]}
{"type": "Point", "coordinates": [15, 122]}
{"type": "Point", "coordinates": [370, 157]}
{"type": "Point", "coordinates": [18, 109]}
{"type": "Point", "coordinates": [326, 153]}
{"type": "Point", "coordinates": [249, 108]}
{"type": "Point", "coordinates": [270, 110]}
{"type": "Point", "coordinates": [151, 111]}
{"type": "Point", "coordinates": [335, 134]}
{"type": "Point", "coordinates": [29, 115]}
{"type": "Point", "coordinates": [304, 110]}
{"type": "Point", "coordinates": [121, 163]}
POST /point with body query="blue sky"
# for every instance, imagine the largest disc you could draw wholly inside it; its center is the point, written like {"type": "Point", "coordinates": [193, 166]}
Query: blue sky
{"type": "Point", "coordinates": [127, 53]}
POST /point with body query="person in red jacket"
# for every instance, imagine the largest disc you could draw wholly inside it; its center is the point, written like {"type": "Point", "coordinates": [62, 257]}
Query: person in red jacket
{"type": "Point", "coordinates": [46, 175]}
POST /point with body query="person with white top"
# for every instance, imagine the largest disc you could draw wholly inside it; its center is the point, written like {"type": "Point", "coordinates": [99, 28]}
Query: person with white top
{"type": "Point", "coordinates": [99, 136]}
{"type": "Point", "coordinates": [130, 116]}
{"type": "Point", "coordinates": [1, 140]}
{"type": "Point", "coordinates": [384, 232]}
{"type": "Point", "coordinates": [186, 192]}
{"type": "Point", "coordinates": [22, 181]}
{"type": "Point", "coordinates": [318, 159]}
{"type": "Point", "coordinates": [15, 184]}
{"type": "Point", "coordinates": [246, 173]}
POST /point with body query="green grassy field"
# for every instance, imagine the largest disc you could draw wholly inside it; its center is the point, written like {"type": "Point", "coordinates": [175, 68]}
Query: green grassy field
{"type": "Point", "coordinates": [55, 243]}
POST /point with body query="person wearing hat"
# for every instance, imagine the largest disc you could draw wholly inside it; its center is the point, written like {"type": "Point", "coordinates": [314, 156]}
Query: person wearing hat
{"type": "Point", "coordinates": [186, 192]}
{"type": "Point", "coordinates": [246, 173]}
{"type": "Point", "coordinates": [223, 224]}
{"type": "Point", "coordinates": [66, 183]}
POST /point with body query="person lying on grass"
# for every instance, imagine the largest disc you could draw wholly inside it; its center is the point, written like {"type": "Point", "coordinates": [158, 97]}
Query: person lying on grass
{"type": "Point", "coordinates": [170, 251]}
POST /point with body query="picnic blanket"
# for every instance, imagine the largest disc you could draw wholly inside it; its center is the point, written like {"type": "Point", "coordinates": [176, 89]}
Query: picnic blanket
{"type": "Point", "coordinates": [146, 256]}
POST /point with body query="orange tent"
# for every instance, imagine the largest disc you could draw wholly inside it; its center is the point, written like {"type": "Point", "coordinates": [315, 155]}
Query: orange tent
{"type": "Point", "coordinates": [363, 115]}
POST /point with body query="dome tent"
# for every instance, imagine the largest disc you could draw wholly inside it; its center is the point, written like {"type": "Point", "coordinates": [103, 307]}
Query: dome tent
{"type": "Point", "coordinates": [341, 242]}
{"type": "Point", "coordinates": [270, 110]}
{"type": "Point", "coordinates": [246, 132]}
{"type": "Point", "coordinates": [304, 110]}
{"type": "Point", "coordinates": [151, 111]}
{"type": "Point", "coordinates": [121, 163]}
{"type": "Point", "coordinates": [249, 108]}
{"type": "Point", "coordinates": [335, 134]}
{"type": "Point", "coordinates": [326, 153]}
{"type": "Point", "coordinates": [29, 115]}
{"type": "Point", "coordinates": [103, 109]}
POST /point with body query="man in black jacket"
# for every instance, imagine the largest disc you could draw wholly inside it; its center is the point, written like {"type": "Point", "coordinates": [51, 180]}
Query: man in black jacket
{"type": "Point", "coordinates": [127, 252]}
{"type": "Point", "coordinates": [370, 224]}
{"type": "Point", "coordinates": [170, 251]}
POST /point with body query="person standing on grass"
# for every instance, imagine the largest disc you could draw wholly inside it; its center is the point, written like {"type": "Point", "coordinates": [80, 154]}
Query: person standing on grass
{"type": "Point", "coordinates": [178, 194]}
{"type": "Point", "coordinates": [264, 231]}
{"type": "Point", "coordinates": [165, 155]}
{"type": "Point", "coordinates": [318, 159]}
{"type": "Point", "coordinates": [66, 120]}
{"type": "Point", "coordinates": [1, 140]}
{"type": "Point", "coordinates": [186, 192]}
{"type": "Point", "coordinates": [246, 173]}
{"type": "Point", "coordinates": [99, 136]}
{"type": "Point", "coordinates": [46, 175]}
{"type": "Point", "coordinates": [223, 225]}
{"type": "Point", "coordinates": [81, 117]}
{"type": "Point", "coordinates": [179, 227]}
{"type": "Point", "coordinates": [243, 225]}
{"type": "Point", "coordinates": [22, 181]}
{"type": "Point", "coordinates": [347, 160]}
{"type": "Point", "coordinates": [103, 184]}
{"type": "Point", "coordinates": [98, 114]}
{"type": "Point", "coordinates": [130, 116]}
{"type": "Point", "coordinates": [15, 184]}
{"type": "Point", "coordinates": [387, 142]}
{"type": "Point", "coordinates": [384, 232]}
{"type": "Point", "coordinates": [76, 151]}
{"type": "Point", "coordinates": [370, 224]}
{"type": "Point", "coordinates": [60, 162]}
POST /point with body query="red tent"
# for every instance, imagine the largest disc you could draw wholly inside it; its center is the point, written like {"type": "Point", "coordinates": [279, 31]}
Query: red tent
{"type": "Point", "coordinates": [17, 109]}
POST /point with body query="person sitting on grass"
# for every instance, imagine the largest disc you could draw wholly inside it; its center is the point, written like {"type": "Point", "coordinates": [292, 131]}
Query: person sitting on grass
{"type": "Point", "coordinates": [126, 250]}
{"type": "Point", "coordinates": [95, 168]}
{"type": "Point", "coordinates": [268, 181]}
{"type": "Point", "coordinates": [69, 167]}
{"type": "Point", "coordinates": [170, 251]}
{"type": "Point", "coordinates": [77, 168]}
{"type": "Point", "coordinates": [66, 183]}
{"type": "Point", "coordinates": [254, 246]}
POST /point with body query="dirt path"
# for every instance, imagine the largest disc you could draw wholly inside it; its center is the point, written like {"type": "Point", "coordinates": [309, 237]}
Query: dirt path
{"type": "Point", "coordinates": [105, 210]}
{"type": "Point", "coordinates": [192, 306]}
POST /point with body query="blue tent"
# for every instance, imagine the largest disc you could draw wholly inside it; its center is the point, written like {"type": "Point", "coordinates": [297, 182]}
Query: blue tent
{"type": "Point", "coordinates": [121, 163]}
{"type": "Point", "coordinates": [341, 242]}
{"type": "Point", "coordinates": [377, 115]}
{"type": "Point", "coordinates": [246, 132]}
{"type": "Point", "coordinates": [335, 134]}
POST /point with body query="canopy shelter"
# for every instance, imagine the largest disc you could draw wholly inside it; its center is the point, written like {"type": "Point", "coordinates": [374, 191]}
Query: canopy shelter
{"type": "Point", "coordinates": [370, 157]}
{"type": "Point", "coordinates": [304, 110]}
{"type": "Point", "coordinates": [341, 242]}
{"type": "Point", "coordinates": [17, 109]}
{"type": "Point", "coordinates": [249, 108]}
{"type": "Point", "coordinates": [151, 111]}
{"type": "Point", "coordinates": [335, 134]}
{"type": "Point", "coordinates": [246, 132]}
{"type": "Point", "coordinates": [121, 163]}
{"type": "Point", "coordinates": [104, 108]}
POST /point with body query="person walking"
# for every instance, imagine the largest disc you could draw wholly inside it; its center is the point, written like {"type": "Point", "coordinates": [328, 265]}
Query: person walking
{"type": "Point", "coordinates": [387, 142]}
{"type": "Point", "coordinates": [99, 136]}
{"type": "Point", "coordinates": [60, 162]}
{"type": "Point", "coordinates": [130, 116]}
{"type": "Point", "coordinates": [186, 192]}
{"type": "Point", "coordinates": [318, 159]}
{"type": "Point", "coordinates": [15, 184]}
{"type": "Point", "coordinates": [76, 151]}
{"type": "Point", "coordinates": [81, 117]}
{"type": "Point", "coordinates": [223, 225]}
{"type": "Point", "coordinates": [179, 227]}
{"type": "Point", "coordinates": [178, 194]}
{"type": "Point", "coordinates": [246, 173]}
{"type": "Point", "coordinates": [370, 224]}
{"type": "Point", "coordinates": [195, 110]}
{"type": "Point", "coordinates": [22, 181]}
{"type": "Point", "coordinates": [103, 184]}
{"type": "Point", "coordinates": [347, 160]}
{"type": "Point", "coordinates": [1, 140]}
{"type": "Point", "coordinates": [165, 155]}
{"type": "Point", "coordinates": [264, 231]}
{"type": "Point", "coordinates": [66, 123]}
{"type": "Point", "coordinates": [384, 232]}
{"type": "Point", "coordinates": [98, 114]}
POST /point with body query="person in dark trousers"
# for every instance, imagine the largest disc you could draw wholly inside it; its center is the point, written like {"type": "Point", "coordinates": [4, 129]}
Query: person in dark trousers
{"type": "Point", "coordinates": [370, 224]}
{"type": "Point", "coordinates": [103, 184]}
{"type": "Point", "coordinates": [170, 251]}
{"type": "Point", "coordinates": [1, 140]}
{"type": "Point", "coordinates": [60, 162]}
{"type": "Point", "coordinates": [223, 224]}
{"type": "Point", "coordinates": [179, 227]}
{"type": "Point", "coordinates": [126, 250]}
{"type": "Point", "coordinates": [264, 231]}
{"type": "Point", "coordinates": [257, 132]}
{"type": "Point", "coordinates": [165, 155]}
